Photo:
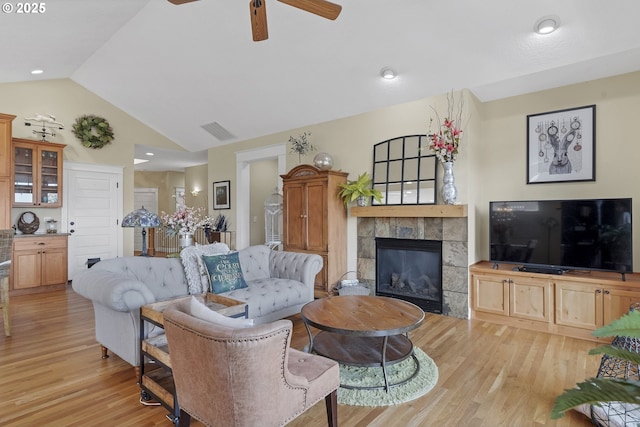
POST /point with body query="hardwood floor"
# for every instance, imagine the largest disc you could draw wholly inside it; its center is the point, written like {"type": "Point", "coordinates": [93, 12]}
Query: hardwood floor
{"type": "Point", "coordinates": [51, 374]}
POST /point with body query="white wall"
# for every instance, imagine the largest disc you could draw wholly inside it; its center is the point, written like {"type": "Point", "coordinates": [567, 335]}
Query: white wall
{"type": "Point", "coordinates": [500, 161]}
{"type": "Point", "coordinates": [67, 100]}
{"type": "Point", "coordinates": [492, 163]}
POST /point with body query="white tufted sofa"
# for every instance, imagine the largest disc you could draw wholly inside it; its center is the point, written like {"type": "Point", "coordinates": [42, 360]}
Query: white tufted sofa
{"type": "Point", "coordinates": [279, 284]}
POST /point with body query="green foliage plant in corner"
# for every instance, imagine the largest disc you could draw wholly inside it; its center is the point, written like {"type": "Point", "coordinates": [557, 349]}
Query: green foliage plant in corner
{"type": "Point", "coordinates": [360, 188]}
{"type": "Point", "coordinates": [594, 391]}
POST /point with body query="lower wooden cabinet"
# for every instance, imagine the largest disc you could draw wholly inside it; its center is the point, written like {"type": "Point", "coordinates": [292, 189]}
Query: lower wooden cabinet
{"type": "Point", "coordinates": [574, 304]}
{"type": "Point", "coordinates": [38, 263]}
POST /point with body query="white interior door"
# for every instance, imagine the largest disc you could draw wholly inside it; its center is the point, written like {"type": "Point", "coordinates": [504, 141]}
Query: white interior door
{"type": "Point", "coordinates": [147, 198]}
{"type": "Point", "coordinates": [92, 208]}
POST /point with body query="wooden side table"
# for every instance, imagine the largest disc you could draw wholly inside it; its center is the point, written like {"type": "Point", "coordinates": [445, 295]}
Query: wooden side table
{"type": "Point", "coordinates": [156, 377]}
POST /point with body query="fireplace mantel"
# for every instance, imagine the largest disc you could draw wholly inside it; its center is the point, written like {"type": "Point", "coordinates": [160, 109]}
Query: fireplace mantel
{"type": "Point", "coordinates": [411, 211]}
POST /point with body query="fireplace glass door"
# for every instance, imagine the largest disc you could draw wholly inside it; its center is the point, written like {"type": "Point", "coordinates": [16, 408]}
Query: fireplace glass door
{"type": "Point", "coordinates": [410, 270]}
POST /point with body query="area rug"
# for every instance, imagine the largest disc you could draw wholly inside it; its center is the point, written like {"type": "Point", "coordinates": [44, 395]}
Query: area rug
{"type": "Point", "coordinates": [418, 386]}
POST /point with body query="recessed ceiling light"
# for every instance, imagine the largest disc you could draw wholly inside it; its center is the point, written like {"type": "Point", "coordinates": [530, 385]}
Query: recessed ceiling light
{"type": "Point", "coordinates": [388, 73]}
{"type": "Point", "coordinates": [547, 24]}
{"type": "Point", "coordinates": [149, 154]}
{"type": "Point", "coordinates": [38, 71]}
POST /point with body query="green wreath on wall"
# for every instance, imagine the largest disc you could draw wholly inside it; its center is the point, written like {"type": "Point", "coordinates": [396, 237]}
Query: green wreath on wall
{"type": "Point", "coordinates": [93, 131]}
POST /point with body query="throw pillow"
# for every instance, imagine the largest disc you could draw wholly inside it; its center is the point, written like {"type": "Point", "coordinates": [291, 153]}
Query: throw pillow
{"type": "Point", "coordinates": [202, 312]}
{"type": "Point", "coordinates": [194, 268]}
{"type": "Point", "coordinates": [225, 272]}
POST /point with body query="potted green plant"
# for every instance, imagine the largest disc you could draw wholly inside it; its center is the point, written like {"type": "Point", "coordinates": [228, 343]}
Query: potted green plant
{"type": "Point", "coordinates": [601, 391]}
{"type": "Point", "coordinates": [359, 190]}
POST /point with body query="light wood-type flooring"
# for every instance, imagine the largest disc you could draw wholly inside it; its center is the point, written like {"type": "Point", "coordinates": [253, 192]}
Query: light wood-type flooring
{"type": "Point", "coordinates": [51, 374]}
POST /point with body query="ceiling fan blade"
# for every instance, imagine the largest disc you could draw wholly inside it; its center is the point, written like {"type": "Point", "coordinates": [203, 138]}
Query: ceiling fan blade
{"type": "Point", "coordinates": [258, 10]}
{"type": "Point", "coordinates": [181, 1]}
{"type": "Point", "coordinates": [323, 8]}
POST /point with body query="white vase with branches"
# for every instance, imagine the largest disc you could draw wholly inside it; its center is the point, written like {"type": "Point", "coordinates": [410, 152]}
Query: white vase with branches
{"type": "Point", "coordinates": [301, 145]}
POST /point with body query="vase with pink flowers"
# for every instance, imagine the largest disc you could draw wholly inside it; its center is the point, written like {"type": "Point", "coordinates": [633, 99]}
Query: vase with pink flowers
{"type": "Point", "coordinates": [184, 223]}
{"type": "Point", "coordinates": [444, 141]}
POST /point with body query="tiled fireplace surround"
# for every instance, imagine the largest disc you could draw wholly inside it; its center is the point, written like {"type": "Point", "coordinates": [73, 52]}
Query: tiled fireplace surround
{"type": "Point", "coordinates": [452, 231]}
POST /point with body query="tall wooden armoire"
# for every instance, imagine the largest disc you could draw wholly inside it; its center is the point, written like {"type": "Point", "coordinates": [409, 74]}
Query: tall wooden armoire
{"type": "Point", "coordinates": [6, 181]}
{"type": "Point", "coordinates": [315, 221]}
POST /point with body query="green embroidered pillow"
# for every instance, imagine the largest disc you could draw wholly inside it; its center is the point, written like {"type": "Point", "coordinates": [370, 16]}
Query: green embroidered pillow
{"type": "Point", "coordinates": [225, 272]}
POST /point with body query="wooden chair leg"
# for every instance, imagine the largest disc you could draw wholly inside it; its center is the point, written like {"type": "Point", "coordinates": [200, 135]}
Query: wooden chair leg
{"type": "Point", "coordinates": [332, 408]}
{"type": "Point", "coordinates": [185, 419]}
{"type": "Point", "coordinates": [4, 298]}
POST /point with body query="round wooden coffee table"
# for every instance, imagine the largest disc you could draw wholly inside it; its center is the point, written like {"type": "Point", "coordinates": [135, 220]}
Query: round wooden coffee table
{"type": "Point", "coordinates": [363, 331]}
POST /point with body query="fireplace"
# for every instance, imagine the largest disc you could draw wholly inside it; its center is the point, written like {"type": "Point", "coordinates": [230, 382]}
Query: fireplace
{"type": "Point", "coordinates": [410, 270]}
{"type": "Point", "coordinates": [446, 224]}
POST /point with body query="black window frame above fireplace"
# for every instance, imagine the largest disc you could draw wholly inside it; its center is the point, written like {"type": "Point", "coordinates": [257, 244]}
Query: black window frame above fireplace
{"type": "Point", "coordinates": [404, 166]}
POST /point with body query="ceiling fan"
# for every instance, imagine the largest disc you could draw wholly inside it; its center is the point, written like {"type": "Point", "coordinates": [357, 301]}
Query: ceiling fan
{"type": "Point", "coordinates": [258, 11]}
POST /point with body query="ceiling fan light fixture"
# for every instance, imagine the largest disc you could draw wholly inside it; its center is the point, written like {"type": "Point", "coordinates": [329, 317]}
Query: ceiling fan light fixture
{"type": "Point", "coordinates": [547, 25]}
{"type": "Point", "coordinates": [388, 73]}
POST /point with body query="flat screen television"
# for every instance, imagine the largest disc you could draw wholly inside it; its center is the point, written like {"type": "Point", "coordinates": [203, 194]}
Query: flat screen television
{"type": "Point", "coordinates": [560, 235]}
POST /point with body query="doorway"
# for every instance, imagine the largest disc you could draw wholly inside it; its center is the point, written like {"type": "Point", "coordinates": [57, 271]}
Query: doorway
{"type": "Point", "coordinates": [243, 189]}
{"type": "Point", "coordinates": [147, 198]}
{"type": "Point", "coordinates": [264, 181]}
{"type": "Point", "coordinates": [91, 211]}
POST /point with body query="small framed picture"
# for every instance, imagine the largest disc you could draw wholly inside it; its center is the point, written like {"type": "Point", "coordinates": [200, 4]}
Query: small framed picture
{"type": "Point", "coordinates": [561, 146]}
{"type": "Point", "coordinates": [221, 195]}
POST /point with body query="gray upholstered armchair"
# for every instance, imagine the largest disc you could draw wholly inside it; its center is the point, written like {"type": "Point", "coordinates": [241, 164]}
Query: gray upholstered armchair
{"type": "Point", "coordinates": [245, 377]}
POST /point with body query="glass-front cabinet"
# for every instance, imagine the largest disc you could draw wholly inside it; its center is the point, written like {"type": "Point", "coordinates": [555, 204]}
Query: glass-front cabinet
{"type": "Point", "coordinates": [37, 174]}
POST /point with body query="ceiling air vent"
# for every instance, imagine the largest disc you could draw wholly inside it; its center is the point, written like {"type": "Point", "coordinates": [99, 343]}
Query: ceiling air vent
{"type": "Point", "coordinates": [215, 129]}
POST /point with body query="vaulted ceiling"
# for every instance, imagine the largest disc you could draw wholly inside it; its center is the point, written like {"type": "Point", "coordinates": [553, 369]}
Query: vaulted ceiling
{"type": "Point", "coordinates": [177, 68]}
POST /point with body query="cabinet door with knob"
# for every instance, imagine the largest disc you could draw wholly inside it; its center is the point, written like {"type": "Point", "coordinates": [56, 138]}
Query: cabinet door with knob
{"type": "Point", "coordinates": [579, 305]}
{"type": "Point", "coordinates": [296, 217]}
{"type": "Point", "coordinates": [531, 299]}
{"type": "Point", "coordinates": [491, 294]}
{"type": "Point", "coordinates": [37, 174]}
{"type": "Point", "coordinates": [39, 262]}
{"type": "Point", "coordinates": [616, 302]}
{"type": "Point", "coordinates": [5, 169]}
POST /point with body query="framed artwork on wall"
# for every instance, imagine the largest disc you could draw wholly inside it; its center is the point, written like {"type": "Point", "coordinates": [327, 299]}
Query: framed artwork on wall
{"type": "Point", "coordinates": [221, 195]}
{"type": "Point", "coordinates": [561, 145]}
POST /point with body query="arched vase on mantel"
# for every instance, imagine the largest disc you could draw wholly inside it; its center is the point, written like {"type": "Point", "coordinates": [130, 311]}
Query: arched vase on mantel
{"type": "Point", "coordinates": [449, 191]}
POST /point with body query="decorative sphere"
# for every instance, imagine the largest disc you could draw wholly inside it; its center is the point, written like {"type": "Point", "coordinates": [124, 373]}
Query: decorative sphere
{"type": "Point", "coordinates": [323, 161]}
